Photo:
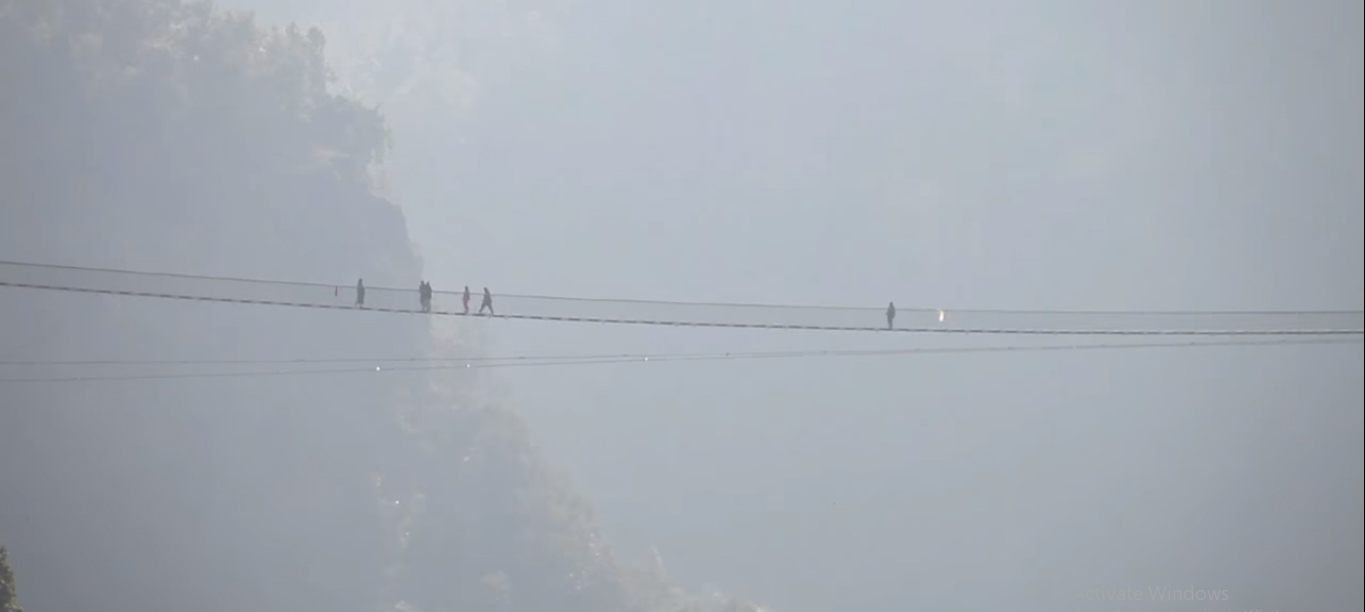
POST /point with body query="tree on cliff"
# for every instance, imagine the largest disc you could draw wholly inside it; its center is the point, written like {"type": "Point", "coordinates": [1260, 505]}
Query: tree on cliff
{"type": "Point", "coordinates": [166, 135]}
{"type": "Point", "coordinates": [9, 598]}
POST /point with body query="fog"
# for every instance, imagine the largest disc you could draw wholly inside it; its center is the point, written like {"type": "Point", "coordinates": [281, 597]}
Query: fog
{"type": "Point", "coordinates": [1047, 156]}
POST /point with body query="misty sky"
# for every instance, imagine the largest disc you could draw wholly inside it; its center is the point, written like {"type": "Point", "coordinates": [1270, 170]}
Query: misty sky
{"type": "Point", "coordinates": [1067, 155]}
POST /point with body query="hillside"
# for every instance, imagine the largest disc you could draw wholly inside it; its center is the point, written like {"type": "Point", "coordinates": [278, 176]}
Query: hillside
{"type": "Point", "coordinates": [151, 134]}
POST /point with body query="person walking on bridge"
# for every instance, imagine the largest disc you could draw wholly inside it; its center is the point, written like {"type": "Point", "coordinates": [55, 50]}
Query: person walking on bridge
{"type": "Point", "coordinates": [466, 299]}
{"type": "Point", "coordinates": [891, 316]}
{"type": "Point", "coordinates": [360, 292]}
{"type": "Point", "coordinates": [487, 302]}
{"type": "Point", "coordinates": [424, 296]}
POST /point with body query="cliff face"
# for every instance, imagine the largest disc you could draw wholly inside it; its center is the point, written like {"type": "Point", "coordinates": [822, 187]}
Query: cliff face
{"type": "Point", "coordinates": [150, 134]}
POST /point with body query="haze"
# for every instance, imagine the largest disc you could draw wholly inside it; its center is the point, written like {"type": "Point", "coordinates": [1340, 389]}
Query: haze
{"type": "Point", "coordinates": [1051, 155]}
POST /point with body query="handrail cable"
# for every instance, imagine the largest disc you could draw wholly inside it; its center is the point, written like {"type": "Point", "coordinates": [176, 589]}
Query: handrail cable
{"type": "Point", "coordinates": [238, 279]}
{"type": "Point", "coordinates": [713, 324]}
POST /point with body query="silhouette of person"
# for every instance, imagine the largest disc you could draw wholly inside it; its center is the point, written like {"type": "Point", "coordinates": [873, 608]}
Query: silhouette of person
{"type": "Point", "coordinates": [891, 316]}
{"type": "Point", "coordinates": [424, 296]}
{"type": "Point", "coordinates": [487, 302]}
{"type": "Point", "coordinates": [360, 292]}
{"type": "Point", "coordinates": [466, 299]}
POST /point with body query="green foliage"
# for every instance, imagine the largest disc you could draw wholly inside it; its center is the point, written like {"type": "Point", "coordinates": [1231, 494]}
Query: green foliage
{"type": "Point", "coordinates": [9, 598]}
